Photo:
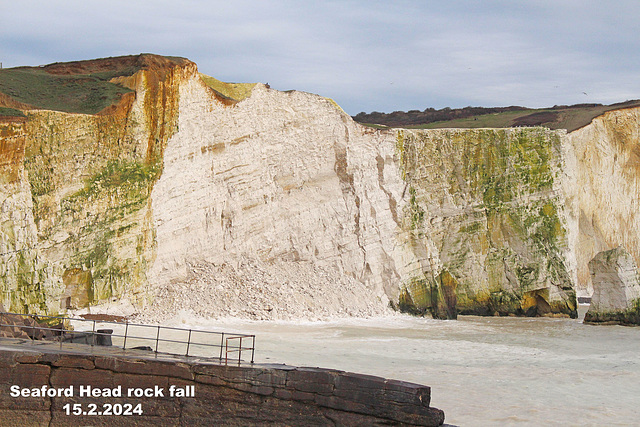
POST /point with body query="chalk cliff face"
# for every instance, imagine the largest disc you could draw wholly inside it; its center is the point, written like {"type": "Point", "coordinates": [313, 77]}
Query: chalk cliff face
{"type": "Point", "coordinates": [616, 283]}
{"type": "Point", "coordinates": [281, 206]}
{"type": "Point", "coordinates": [281, 178]}
{"type": "Point", "coordinates": [76, 220]}
{"type": "Point", "coordinates": [486, 219]}
{"type": "Point", "coordinates": [602, 184]}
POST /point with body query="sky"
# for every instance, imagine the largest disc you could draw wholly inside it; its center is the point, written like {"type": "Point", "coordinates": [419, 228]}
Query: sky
{"type": "Point", "coordinates": [366, 55]}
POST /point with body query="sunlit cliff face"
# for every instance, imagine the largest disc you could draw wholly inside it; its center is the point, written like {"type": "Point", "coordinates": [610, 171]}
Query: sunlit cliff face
{"type": "Point", "coordinates": [180, 185]}
{"type": "Point", "coordinates": [76, 195]}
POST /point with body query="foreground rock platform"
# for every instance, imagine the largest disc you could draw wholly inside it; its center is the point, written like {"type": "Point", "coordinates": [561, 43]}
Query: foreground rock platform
{"type": "Point", "coordinates": [226, 394]}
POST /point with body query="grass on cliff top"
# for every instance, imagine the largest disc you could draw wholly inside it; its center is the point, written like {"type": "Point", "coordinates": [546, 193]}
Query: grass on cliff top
{"type": "Point", "coordinates": [496, 120]}
{"type": "Point", "coordinates": [558, 117]}
{"type": "Point", "coordinates": [569, 119]}
{"type": "Point", "coordinates": [78, 86]}
{"type": "Point", "coordinates": [11, 112]}
{"type": "Point", "coordinates": [76, 93]}
{"type": "Point", "coordinates": [233, 91]}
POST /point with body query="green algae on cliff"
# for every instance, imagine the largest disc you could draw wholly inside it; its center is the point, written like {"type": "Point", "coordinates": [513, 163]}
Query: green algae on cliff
{"type": "Point", "coordinates": [435, 296]}
{"type": "Point", "coordinates": [627, 317]}
{"type": "Point", "coordinates": [492, 215]}
{"type": "Point", "coordinates": [28, 293]}
{"type": "Point", "coordinates": [130, 180]}
{"type": "Point", "coordinates": [101, 220]}
{"type": "Point", "coordinates": [126, 186]}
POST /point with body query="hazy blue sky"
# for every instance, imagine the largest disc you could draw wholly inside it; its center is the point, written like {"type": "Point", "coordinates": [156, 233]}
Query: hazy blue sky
{"type": "Point", "coordinates": [367, 55]}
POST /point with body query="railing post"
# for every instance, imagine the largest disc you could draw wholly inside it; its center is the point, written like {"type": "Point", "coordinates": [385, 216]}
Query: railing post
{"type": "Point", "coordinates": [221, 344]}
{"type": "Point", "coordinates": [188, 343]}
{"type": "Point", "coordinates": [240, 351]}
{"type": "Point", "coordinates": [126, 330]}
{"type": "Point", "coordinates": [157, 338]}
{"type": "Point", "coordinates": [253, 347]}
{"type": "Point", "coordinates": [93, 336]}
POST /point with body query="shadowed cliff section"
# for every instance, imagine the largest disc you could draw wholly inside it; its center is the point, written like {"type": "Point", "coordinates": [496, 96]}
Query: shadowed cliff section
{"type": "Point", "coordinates": [486, 199]}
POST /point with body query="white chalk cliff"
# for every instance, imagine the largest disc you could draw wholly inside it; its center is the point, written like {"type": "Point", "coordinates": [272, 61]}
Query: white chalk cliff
{"type": "Point", "coordinates": [616, 283]}
{"type": "Point", "coordinates": [280, 178]}
{"type": "Point", "coordinates": [281, 206]}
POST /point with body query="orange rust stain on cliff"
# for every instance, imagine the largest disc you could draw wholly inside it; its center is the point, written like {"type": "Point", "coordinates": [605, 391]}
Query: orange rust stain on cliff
{"type": "Point", "coordinates": [159, 77]}
{"type": "Point", "coordinates": [128, 69]}
{"type": "Point", "coordinates": [162, 78]}
{"type": "Point", "coordinates": [122, 108]}
{"type": "Point", "coordinates": [12, 148]}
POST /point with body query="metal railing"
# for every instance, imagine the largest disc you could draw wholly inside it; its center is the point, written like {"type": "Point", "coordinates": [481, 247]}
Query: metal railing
{"type": "Point", "coordinates": [211, 345]}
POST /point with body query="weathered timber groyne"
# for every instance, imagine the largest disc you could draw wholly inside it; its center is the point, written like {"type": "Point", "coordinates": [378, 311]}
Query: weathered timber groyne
{"type": "Point", "coordinates": [43, 385]}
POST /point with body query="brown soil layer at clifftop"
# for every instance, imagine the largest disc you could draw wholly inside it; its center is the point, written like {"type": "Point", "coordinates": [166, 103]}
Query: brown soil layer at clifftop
{"type": "Point", "coordinates": [121, 65]}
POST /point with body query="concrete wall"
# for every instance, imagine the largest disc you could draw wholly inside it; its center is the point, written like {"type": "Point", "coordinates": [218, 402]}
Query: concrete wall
{"type": "Point", "coordinates": [235, 394]}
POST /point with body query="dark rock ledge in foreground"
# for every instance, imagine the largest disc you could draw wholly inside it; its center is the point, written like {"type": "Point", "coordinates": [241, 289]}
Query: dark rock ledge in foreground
{"type": "Point", "coordinates": [225, 395]}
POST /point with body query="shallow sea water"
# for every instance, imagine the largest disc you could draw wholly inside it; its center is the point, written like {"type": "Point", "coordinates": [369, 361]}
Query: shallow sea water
{"type": "Point", "coordinates": [483, 371]}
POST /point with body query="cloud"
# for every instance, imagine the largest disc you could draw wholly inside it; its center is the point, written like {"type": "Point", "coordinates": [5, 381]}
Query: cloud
{"type": "Point", "coordinates": [367, 55]}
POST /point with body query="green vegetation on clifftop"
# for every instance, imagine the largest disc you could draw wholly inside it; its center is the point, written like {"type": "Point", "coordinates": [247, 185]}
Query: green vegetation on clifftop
{"type": "Point", "coordinates": [84, 93]}
{"type": "Point", "coordinates": [568, 117]}
{"type": "Point", "coordinates": [232, 91]}
{"type": "Point", "coordinates": [11, 112]}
